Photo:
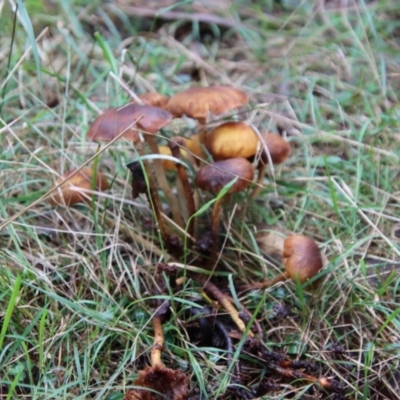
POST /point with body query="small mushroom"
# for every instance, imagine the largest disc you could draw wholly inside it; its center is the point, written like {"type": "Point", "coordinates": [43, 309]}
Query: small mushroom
{"type": "Point", "coordinates": [302, 259]}
{"type": "Point", "coordinates": [130, 119]}
{"type": "Point", "coordinates": [75, 189]}
{"type": "Point", "coordinates": [198, 102]}
{"type": "Point", "coordinates": [275, 149]}
{"type": "Point", "coordinates": [274, 145]}
{"type": "Point", "coordinates": [214, 177]}
{"type": "Point", "coordinates": [232, 139]}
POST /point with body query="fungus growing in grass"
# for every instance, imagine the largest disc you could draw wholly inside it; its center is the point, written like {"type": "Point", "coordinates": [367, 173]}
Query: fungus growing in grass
{"type": "Point", "coordinates": [198, 102]}
{"type": "Point", "coordinates": [214, 177]}
{"type": "Point", "coordinates": [302, 260]}
{"type": "Point", "coordinates": [75, 189]}
{"type": "Point", "coordinates": [116, 120]}
{"type": "Point", "coordinates": [132, 118]}
{"type": "Point", "coordinates": [273, 148]}
{"type": "Point", "coordinates": [232, 139]}
{"type": "Point", "coordinates": [277, 147]}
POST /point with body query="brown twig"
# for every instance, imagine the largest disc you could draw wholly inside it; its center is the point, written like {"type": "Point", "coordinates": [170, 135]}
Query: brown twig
{"type": "Point", "coordinates": [224, 300]}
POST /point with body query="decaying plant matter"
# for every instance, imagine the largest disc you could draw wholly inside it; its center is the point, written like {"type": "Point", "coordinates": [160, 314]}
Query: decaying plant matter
{"type": "Point", "coordinates": [156, 380]}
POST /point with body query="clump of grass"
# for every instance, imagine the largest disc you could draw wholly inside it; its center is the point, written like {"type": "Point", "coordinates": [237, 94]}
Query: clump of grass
{"type": "Point", "coordinates": [74, 292]}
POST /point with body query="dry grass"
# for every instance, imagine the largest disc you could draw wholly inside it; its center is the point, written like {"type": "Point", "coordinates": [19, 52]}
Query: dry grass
{"type": "Point", "coordinates": [76, 292]}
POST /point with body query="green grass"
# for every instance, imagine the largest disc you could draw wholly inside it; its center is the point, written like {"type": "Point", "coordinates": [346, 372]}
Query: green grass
{"type": "Point", "coordinates": [77, 295]}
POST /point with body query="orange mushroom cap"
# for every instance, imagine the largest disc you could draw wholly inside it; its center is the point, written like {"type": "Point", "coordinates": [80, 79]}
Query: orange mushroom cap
{"type": "Point", "coordinates": [116, 120]}
{"type": "Point", "coordinates": [68, 193]}
{"type": "Point", "coordinates": [302, 258]}
{"type": "Point", "coordinates": [213, 177]}
{"type": "Point", "coordinates": [232, 139]}
{"type": "Point", "coordinates": [197, 102]}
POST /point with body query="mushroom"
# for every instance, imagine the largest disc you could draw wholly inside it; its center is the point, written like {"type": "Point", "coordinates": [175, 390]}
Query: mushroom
{"type": "Point", "coordinates": [302, 259]}
{"type": "Point", "coordinates": [131, 118]}
{"type": "Point", "coordinates": [74, 189]}
{"type": "Point", "coordinates": [214, 177]}
{"type": "Point", "coordinates": [198, 102]}
{"type": "Point", "coordinates": [274, 149]}
{"type": "Point", "coordinates": [232, 139]}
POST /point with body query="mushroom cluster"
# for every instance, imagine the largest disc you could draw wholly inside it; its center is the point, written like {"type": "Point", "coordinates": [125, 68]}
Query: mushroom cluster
{"type": "Point", "coordinates": [178, 177]}
{"type": "Point", "coordinates": [174, 175]}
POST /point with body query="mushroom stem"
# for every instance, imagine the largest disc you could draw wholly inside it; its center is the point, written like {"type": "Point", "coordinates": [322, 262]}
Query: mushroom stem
{"type": "Point", "coordinates": [262, 168]}
{"type": "Point", "coordinates": [202, 122]}
{"type": "Point", "coordinates": [162, 180]}
{"type": "Point", "coordinates": [158, 342]}
{"type": "Point", "coordinates": [214, 233]}
{"type": "Point", "coordinates": [214, 292]}
{"type": "Point", "coordinates": [174, 145]}
{"type": "Point", "coordinates": [139, 186]}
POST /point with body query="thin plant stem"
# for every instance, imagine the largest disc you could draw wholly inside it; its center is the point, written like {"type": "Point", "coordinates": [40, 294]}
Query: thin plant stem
{"type": "Point", "coordinates": [214, 232]}
{"type": "Point", "coordinates": [262, 167]}
{"type": "Point", "coordinates": [162, 180]}
{"type": "Point", "coordinates": [202, 122]}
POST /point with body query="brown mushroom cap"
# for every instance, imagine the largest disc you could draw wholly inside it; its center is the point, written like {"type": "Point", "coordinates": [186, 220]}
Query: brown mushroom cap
{"type": "Point", "coordinates": [213, 177]}
{"type": "Point", "coordinates": [302, 258]}
{"type": "Point", "coordinates": [279, 148]}
{"type": "Point", "coordinates": [154, 99]}
{"type": "Point", "coordinates": [197, 102]}
{"type": "Point", "coordinates": [232, 139]}
{"type": "Point", "coordinates": [68, 192]}
{"type": "Point", "coordinates": [116, 120]}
